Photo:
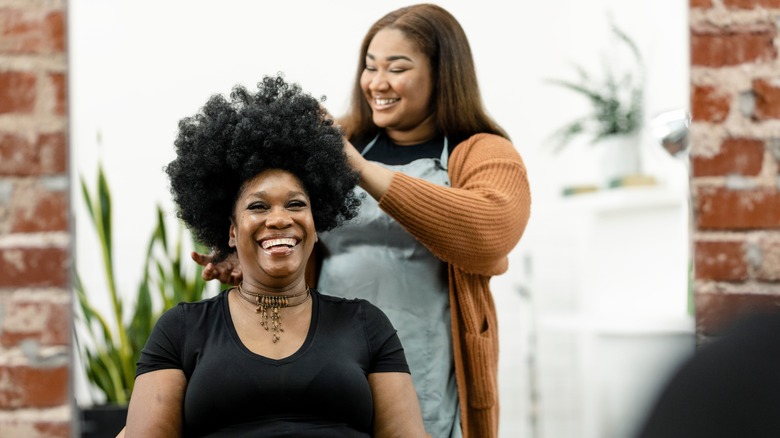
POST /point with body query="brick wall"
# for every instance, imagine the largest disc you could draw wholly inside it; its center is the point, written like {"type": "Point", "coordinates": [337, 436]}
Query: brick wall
{"type": "Point", "coordinates": [35, 309]}
{"type": "Point", "coordinates": [735, 151]}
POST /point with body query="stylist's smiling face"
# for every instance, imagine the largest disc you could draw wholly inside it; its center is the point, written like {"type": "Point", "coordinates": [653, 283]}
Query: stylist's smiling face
{"type": "Point", "coordinates": [397, 82]}
{"type": "Point", "coordinates": [273, 229]}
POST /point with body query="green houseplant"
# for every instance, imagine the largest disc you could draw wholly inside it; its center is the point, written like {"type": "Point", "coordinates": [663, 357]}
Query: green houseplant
{"type": "Point", "coordinates": [615, 99]}
{"type": "Point", "coordinates": [109, 343]}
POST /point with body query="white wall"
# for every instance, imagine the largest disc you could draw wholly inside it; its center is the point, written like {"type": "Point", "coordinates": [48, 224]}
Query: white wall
{"type": "Point", "coordinates": [137, 67]}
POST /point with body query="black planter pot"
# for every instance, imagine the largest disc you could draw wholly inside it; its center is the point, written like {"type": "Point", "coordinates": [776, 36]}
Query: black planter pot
{"type": "Point", "coordinates": [102, 421]}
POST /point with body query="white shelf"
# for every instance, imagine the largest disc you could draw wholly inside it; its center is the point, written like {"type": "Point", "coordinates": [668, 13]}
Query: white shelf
{"type": "Point", "coordinates": [623, 199]}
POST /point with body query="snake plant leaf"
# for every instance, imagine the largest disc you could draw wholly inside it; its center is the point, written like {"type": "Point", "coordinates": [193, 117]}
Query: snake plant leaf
{"type": "Point", "coordinates": [161, 234]}
{"type": "Point", "coordinates": [88, 200]}
{"type": "Point", "coordinates": [164, 284]}
{"type": "Point", "coordinates": [143, 320]}
{"type": "Point", "coordinates": [104, 202]}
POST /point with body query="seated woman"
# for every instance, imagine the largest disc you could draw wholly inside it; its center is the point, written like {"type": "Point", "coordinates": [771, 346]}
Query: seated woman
{"type": "Point", "coordinates": [259, 175]}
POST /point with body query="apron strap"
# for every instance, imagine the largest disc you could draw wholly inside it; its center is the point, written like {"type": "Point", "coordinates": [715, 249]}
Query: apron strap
{"type": "Point", "coordinates": [445, 154]}
{"type": "Point", "coordinates": [369, 146]}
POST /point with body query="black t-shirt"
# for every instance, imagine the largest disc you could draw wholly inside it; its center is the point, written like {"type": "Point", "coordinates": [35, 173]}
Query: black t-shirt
{"type": "Point", "coordinates": [386, 152]}
{"type": "Point", "coordinates": [320, 391]}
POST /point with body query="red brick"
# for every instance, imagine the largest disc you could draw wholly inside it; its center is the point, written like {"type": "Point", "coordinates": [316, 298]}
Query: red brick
{"type": "Point", "coordinates": [51, 429]}
{"type": "Point", "coordinates": [732, 47]}
{"type": "Point", "coordinates": [15, 152]}
{"type": "Point", "coordinates": [44, 322]}
{"type": "Point", "coordinates": [768, 268]}
{"type": "Point", "coordinates": [18, 91]}
{"type": "Point", "coordinates": [44, 155]}
{"type": "Point", "coordinates": [55, 31]}
{"type": "Point", "coordinates": [52, 149]}
{"type": "Point", "coordinates": [720, 261]}
{"type": "Point", "coordinates": [722, 208]}
{"type": "Point", "coordinates": [60, 93]}
{"type": "Point", "coordinates": [708, 105]}
{"type": "Point", "coordinates": [751, 4]}
{"type": "Point", "coordinates": [715, 312]}
{"type": "Point", "coordinates": [30, 428]}
{"type": "Point", "coordinates": [767, 98]}
{"type": "Point", "coordinates": [39, 211]}
{"type": "Point", "coordinates": [29, 387]}
{"type": "Point", "coordinates": [31, 31]}
{"type": "Point", "coordinates": [740, 156]}
{"type": "Point", "coordinates": [700, 3]}
{"type": "Point", "coordinates": [34, 267]}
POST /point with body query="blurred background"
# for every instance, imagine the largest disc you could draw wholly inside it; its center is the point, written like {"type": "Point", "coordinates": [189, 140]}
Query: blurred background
{"type": "Point", "coordinates": [594, 312]}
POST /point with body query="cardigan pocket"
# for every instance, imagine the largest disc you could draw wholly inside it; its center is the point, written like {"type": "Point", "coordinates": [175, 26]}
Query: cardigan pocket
{"type": "Point", "coordinates": [482, 370]}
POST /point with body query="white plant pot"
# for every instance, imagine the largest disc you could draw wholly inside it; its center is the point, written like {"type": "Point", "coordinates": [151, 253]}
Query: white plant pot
{"type": "Point", "coordinates": [620, 156]}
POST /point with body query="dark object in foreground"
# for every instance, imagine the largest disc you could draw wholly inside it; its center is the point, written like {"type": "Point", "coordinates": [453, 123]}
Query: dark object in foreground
{"type": "Point", "coordinates": [730, 388]}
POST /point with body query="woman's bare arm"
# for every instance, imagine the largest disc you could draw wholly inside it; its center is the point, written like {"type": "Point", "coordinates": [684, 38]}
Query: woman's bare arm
{"type": "Point", "coordinates": [156, 405]}
{"type": "Point", "coordinates": [396, 408]}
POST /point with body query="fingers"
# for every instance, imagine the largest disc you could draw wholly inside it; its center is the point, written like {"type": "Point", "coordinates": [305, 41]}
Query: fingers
{"type": "Point", "coordinates": [328, 116]}
{"type": "Point", "coordinates": [225, 274]}
{"type": "Point", "coordinates": [201, 259]}
{"type": "Point", "coordinates": [209, 272]}
{"type": "Point", "coordinates": [353, 156]}
{"type": "Point", "coordinates": [227, 271]}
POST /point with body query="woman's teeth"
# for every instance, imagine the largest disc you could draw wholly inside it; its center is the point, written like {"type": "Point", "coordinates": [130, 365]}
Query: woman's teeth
{"type": "Point", "coordinates": [382, 102]}
{"type": "Point", "coordinates": [275, 242]}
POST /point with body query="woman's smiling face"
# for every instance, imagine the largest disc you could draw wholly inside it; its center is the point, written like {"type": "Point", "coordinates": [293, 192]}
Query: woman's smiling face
{"type": "Point", "coordinates": [397, 83]}
{"type": "Point", "coordinates": [273, 230]}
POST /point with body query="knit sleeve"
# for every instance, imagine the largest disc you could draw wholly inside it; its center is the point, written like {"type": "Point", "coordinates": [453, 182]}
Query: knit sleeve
{"type": "Point", "coordinates": [476, 222]}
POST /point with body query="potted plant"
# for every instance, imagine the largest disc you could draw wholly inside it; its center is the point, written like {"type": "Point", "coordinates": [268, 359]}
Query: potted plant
{"type": "Point", "coordinates": [109, 344]}
{"type": "Point", "coordinates": [615, 118]}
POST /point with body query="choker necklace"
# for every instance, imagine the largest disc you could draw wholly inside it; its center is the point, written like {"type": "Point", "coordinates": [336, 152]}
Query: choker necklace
{"type": "Point", "coordinates": [273, 303]}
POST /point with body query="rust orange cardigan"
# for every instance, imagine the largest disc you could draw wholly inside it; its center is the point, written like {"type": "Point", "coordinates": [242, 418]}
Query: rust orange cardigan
{"type": "Point", "coordinates": [472, 226]}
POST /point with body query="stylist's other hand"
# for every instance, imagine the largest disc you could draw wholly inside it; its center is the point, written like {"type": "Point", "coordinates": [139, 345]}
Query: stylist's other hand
{"type": "Point", "coordinates": [227, 271]}
{"type": "Point", "coordinates": [374, 179]}
{"type": "Point", "coordinates": [353, 156]}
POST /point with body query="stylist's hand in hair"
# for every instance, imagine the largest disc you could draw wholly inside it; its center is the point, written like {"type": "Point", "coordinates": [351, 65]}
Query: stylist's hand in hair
{"type": "Point", "coordinates": [227, 271]}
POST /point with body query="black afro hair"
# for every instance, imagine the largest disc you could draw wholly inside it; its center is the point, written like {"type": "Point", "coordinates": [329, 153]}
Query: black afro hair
{"type": "Point", "coordinates": [228, 142]}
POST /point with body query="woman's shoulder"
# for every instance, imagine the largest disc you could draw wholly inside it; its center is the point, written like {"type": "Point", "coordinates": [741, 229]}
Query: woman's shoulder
{"type": "Point", "coordinates": [202, 306]}
{"type": "Point", "coordinates": [348, 304]}
{"type": "Point", "coordinates": [485, 138]}
{"type": "Point", "coordinates": [339, 301]}
{"type": "Point", "coordinates": [484, 145]}
{"type": "Point", "coordinates": [208, 301]}
{"type": "Point", "coordinates": [371, 317]}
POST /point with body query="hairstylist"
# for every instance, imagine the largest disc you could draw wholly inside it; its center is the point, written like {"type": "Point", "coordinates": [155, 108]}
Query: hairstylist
{"type": "Point", "coordinates": [449, 199]}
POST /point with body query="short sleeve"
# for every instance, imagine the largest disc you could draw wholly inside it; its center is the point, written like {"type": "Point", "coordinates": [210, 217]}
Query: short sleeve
{"type": "Point", "coordinates": [163, 348]}
{"type": "Point", "coordinates": [387, 353]}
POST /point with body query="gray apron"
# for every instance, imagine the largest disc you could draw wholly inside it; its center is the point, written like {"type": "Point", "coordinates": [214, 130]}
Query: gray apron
{"type": "Point", "coordinates": [374, 258]}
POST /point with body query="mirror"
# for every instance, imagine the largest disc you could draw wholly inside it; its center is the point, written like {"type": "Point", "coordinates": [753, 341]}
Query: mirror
{"type": "Point", "coordinates": [671, 130]}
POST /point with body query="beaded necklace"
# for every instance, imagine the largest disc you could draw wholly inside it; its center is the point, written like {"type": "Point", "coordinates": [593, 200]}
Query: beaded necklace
{"type": "Point", "coordinates": [272, 303]}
